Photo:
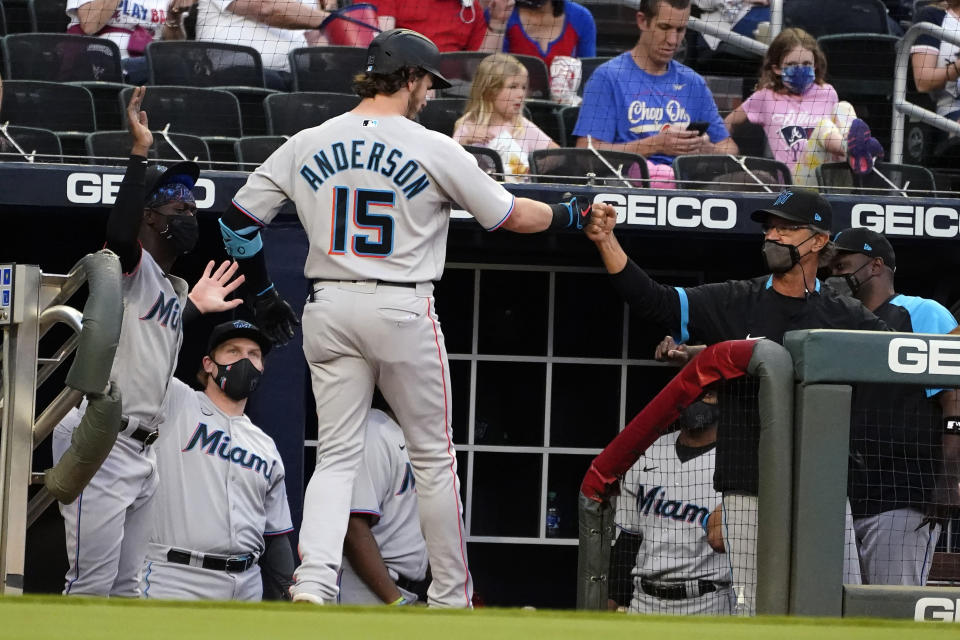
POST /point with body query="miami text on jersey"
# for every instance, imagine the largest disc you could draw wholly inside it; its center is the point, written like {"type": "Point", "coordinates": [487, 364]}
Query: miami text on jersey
{"type": "Point", "coordinates": [655, 500]}
{"type": "Point", "coordinates": [376, 157]}
{"type": "Point", "coordinates": [217, 443]}
{"type": "Point", "coordinates": [166, 312]}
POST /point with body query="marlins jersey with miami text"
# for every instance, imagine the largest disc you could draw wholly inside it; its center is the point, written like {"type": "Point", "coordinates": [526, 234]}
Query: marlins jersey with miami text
{"type": "Point", "coordinates": [386, 489]}
{"type": "Point", "coordinates": [221, 479]}
{"type": "Point", "coordinates": [374, 196]}
{"type": "Point", "coordinates": [149, 339]}
{"type": "Point", "coordinates": [667, 501]}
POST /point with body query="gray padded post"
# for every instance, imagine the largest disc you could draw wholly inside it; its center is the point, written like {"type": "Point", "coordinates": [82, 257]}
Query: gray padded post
{"type": "Point", "coordinates": [593, 559]}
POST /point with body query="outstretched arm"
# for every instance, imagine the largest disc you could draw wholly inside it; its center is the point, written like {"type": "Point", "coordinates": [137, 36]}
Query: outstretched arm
{"type": "Point", "coordinates": [360, 548]}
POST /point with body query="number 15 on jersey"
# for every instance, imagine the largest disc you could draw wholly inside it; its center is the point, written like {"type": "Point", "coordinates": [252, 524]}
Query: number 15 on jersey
{"type": "Point", "coordinates": [378, 243]}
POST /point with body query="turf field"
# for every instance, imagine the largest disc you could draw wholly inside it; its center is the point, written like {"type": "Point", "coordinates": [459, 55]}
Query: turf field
{"type": "Point", "coordinates": [36, 617]}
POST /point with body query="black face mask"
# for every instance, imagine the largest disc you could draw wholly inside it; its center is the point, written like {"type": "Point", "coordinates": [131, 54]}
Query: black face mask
{"type": "Point", "coordinates": [237, 380]}
{"type": "Point", "coordinates": [780, 257]}
{"type": "Point", "coordinates": [182, 232]}
{"type": "Point", "coordinates": [699, 415]}
{"type": "Point", "coordinates": [851, 281]}
{"type": "Point", "coordinates": [532, 4]}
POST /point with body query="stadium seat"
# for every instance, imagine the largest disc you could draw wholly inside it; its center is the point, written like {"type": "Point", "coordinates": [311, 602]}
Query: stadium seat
{"type": "Point", "coordinates": [617, 28]}
{"type": "Point", "coordinates": [289, 113]}
{"type": "Point", "coordinates": [48, 105]}
{"type": "Point", "coordinates": [113, 147]}
{"type": "Point", "coordinates": [459, 68]}
{"type": "Point", "coordinates": [487, 159]}
{"type": "Point", "coordinates": [572, 166]}
{"type": "Point", "coordinates": [823, 17]}
{"type": "Point", "coordinates": [202, 112]}
{"type": "Point", "coordinates": [251, 151]}
{"type": "Point", "coordinates": [61, 57]}
{"type": "Point", "coordinates": [727, 92]}
{"type": "Point", "coordinates": [546, 115]}
{"type": "Point", "coordinates": [568, 119]}
{"type": "Point", "coordinates": [3, 21]}
{"type": "Point", "coordinates": [42, 142]}
{"type": "Point", "coordinates": [441, 114]}
{"type": "Point", "coordinates": [914, 180]}
{"type": "Point", "coordinates": [327, 69]}
{"type": "Point", "coordinates": [17, 16]}
{"type": "Point", "coordinates": [725, 173]}
{"type": "Point", "coordinates": [48, 15]}
{"type": "Point", "coordinates": [204, 64]}
{"type": "Point", "coordinates": [588, 66]}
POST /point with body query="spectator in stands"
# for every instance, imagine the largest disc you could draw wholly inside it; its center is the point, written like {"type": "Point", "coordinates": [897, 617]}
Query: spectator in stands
{"type": "Point", "coordinates": [272, 27]}
{"type": "Point", "coordinates": [642, 100]}
{"type": "Point", "coordinates": [804, 121]}
{"type": "Point", "coordinates": [132, 25]}
{"type": "Point", "coordinates": [494, 114]}
{"type": "Point", "coordinates": [936, 63]}
{"type": "Point", "coordinates": [544, 29]}
{"type": "Point", "coordinates": [896, 485]}
{"type": "Point", "coordinates": [453, 25]}
{"type": "Point", "coordinates": [662, 563]}
{"type": "Point", "coordinates": [739, 16]}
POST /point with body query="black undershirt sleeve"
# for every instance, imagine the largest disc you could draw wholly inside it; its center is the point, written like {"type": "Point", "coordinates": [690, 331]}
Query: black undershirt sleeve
{"type": "Point", "coordinates": [123, 225]}
{"type": "Point", "coordinates": [276, 567]}
{"type": "Point", "coordinates": [255, 267]}
{"type": "Point", "coordinates": [648, 298]}
{"type": "Point", "coordinates": [623, 558]}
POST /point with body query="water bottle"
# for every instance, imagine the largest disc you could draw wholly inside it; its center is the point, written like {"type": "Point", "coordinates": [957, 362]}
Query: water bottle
{"type": "Point", "coordinates": [553, 516]}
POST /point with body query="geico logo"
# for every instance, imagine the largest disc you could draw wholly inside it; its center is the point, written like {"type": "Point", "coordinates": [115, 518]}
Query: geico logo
{"type": "Point", "coordinates": [907, 220]}
{"type": "Point", "coordinates": [916, 355]}
{"type": "Point", "coordinates": [939, 609]}
{"type": "Point", "coordinates": [94, 188]}
{"type": "Point", "coordinates": [681, 212]}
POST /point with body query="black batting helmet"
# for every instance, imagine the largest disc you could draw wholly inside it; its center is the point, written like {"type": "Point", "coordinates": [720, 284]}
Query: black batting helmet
{"type": "Point", "coordinates": [399, 48]}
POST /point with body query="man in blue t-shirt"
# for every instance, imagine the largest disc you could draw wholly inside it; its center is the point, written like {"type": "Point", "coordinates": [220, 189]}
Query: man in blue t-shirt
{"type": "Point", "coordinates": [642, 100]}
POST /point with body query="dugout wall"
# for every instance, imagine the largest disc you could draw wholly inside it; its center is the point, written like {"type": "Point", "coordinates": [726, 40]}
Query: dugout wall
{"type": "Point", "coordinates": [534, 289]}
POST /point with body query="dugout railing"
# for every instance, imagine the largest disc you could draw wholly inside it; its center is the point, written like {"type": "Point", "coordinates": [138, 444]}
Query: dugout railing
{"type": "Point", "coordinates": [31, 304]}
{"type": "Point", "coordinates": [805, 396]}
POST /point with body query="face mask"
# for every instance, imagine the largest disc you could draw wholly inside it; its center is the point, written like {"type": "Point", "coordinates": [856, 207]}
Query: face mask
{"type": "Point", "coordinates": [182, 232]}
{"type": "Point", "coordinates": [780, 257]}
{"type": "Point", "coordinates": [851, 281]}
{"type": "Point", "coordinates": [237, 380]}
{"type": "Point", "coordinates": [797, 79]}
{"type": "Point", "coordinates": [533, 4]}
{"type": "Point", "coordinates": [841, 285]}
{"type": "Point", "coordinates": [699, 415]}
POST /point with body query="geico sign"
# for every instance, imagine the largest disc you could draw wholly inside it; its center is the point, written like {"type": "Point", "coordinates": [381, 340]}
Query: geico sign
{"type": "Point", "coordinates": [681, 212]}
{"type": "Point", "coordinates": [907, 220]}
{"type": "Point", "coordinates": [95, 188]}
{"type": "Point", "coordinates": [916, 355]}
{"type": "Point", "coordinates": [939, 609]}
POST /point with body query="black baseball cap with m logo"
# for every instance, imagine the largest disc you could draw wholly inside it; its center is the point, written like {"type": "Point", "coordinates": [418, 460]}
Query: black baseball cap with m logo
{"type": "Point", "coordinates": [799, 205]}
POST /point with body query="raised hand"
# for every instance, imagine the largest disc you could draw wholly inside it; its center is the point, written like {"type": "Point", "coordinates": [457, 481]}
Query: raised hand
{"type": "Point", "coordinates": [602, 220]}
{"type": "Point", "coordinates": [274, 316]}
{"type": "Point", "coordinates": [209, 294]}
{"type": "Point", "coordinates": [137, 124]}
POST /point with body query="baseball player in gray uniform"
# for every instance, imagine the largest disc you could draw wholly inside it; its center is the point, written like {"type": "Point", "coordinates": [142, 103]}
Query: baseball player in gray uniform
{"type": "Point", "coordinates": [373, 190]}
{"type": "Point", "coordinates": [221, 481]}
{"type": "Point", "coordinates": [667, 500]}
{"type": "Point", "coordinates": [150, 225]}
{"type": "Point", "coordinates": [385, 555]}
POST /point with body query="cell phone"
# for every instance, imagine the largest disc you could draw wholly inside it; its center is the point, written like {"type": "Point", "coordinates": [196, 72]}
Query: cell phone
{"type": "Point", "coordinates": [700, 126]}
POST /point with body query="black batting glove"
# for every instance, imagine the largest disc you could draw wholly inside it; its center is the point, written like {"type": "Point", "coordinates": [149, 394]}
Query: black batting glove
{"type": "Point", "coordinates": [570, 215]}
{"type": "Point", "coordinates": [274, 316]}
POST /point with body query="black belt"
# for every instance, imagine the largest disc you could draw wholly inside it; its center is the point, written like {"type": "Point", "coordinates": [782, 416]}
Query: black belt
{"type": "Point", "coordinates": [676, 591]}
{"type": "Point", "coordinates": [418, 587]}
{"type": "Point", "coordinates": [230, 564]}
{"type": "Point", "coordinates": [146, 436]}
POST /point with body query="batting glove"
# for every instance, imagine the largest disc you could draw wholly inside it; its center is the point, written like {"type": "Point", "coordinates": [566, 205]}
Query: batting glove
{"type": "Point", "coordinates": [274, 316]}
{"type": "Point", "coordinates": [862, 148]}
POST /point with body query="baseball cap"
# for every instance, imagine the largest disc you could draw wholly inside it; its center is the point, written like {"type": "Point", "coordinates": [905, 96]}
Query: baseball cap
{"type": "Point", "coordinates": [156, 176]}
{"type": "Point", "coordinates": [398, 48]}
{"type": "Point", "coordinates": [868, 242]}
{"type": "Point", "coordinates": [237, 329]}
{"type": "Point", "coordinates": [799, 205]}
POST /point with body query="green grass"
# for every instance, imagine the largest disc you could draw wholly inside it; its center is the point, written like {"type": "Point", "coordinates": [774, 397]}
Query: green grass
{"type": "Point", "coordinates": [37, 617]}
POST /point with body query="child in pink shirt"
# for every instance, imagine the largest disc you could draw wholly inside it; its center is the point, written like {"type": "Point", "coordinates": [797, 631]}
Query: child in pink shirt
{"type": "Point", "coordinates": [805, 123]}
{"type": "Point", "coordinates": [494, 114]}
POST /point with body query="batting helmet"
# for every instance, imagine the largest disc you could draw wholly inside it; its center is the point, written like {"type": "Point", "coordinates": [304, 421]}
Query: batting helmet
{"type": "Point", "coordinates": [399, 48]}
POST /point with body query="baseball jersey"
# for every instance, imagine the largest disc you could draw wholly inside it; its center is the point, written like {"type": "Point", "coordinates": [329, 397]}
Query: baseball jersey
{"type": "Point", "coordinates": [578, 39]}
{"type": "Point", "coordinates": [667, 500]}
{"type": "Point", "coordinates": [150, 338]}
{"type": "Point", "coordinates": [129, 15]}
{"type": "Point", "coordinates": [221, 479]}
{"type": "Point", "coordinates": [216, 22]}
{"type": "Point", "coordinates": [374, 196]}
{"type": "Point", "coordinates": [622, 103]}
{"type": "Point", "coordinates": [448, 23]}
{"type": "Point", "coordinates": [385, 488]}
{"type": "Point", "coordinates": [789, 120]}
